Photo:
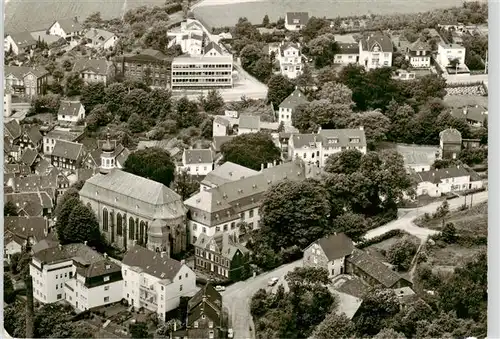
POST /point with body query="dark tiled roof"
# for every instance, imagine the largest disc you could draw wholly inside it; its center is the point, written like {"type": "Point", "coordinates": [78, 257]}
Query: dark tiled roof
{"type": "Point", "coordinates": [152, 263]}
{"type": "Point", "coordinates": [226, 247]}
{"type": "Point", "coordinates": [67, 149]}
{"type": "Point", "coordinates": [293, 100]}
{"type": "Point", "coordinates": [23, 39]}
{"type": "Point", "coordinates": [12, 128]}
{"type": "Point", "coordinates": [33, 133]}
{"type": "Point", "coordinates": [435, 176]}
{"type": "Point", "coordinates": [419, 45]}
{"type": "Point", "coordinates": [70, 108]}
{"type": "Point", "coordinates": [43, 167]}
{"type": "Point", "coordinates": [249, 121]}
{"type": "Point", "coordinates": [212, 296]}
{"type": "Point", "coordinates": [302, 17]}
{"type": "Point", "coordinates": [220, 140]}
{"type": "Point", "coordinates": [44, 244]}
{"type": "Point", "coordinates": [81, 252]}
{"type": "Point", "coordinates": [25, 227]}
{"type": "Point", "coordinates": [29, 156]}
{"type": "Point", "coordinates": [31, 203]}
{"type": "Point", "coordinates": [354, 286]}
{"type": "Point", "coordinates": [374, 268]}
{"type": "Point", "coordinates": [198, 156]}
{"type": "Point", "coordinates": [336, 246]}
{"type": "Point", "coordinates": [451, 135]}
{"type": "Point", "coordinates": [474, 113]}
{"type": "Point", "coordinates": [69, 25]}
{"type": "Point", "coordinates": [212, 45]}
{"type": "Point", "coordinates": [99, 268]}
{"type": "Point", "coordinates": [20, 71]}
{"type": "Point", "coordinates": [348, 48]}
{"type": "Point", "coordinates": [382, 41]}
{"type": "Point", "coordinates": [98, 66]}
{"type": "Point", "coordinates": [207, 310]}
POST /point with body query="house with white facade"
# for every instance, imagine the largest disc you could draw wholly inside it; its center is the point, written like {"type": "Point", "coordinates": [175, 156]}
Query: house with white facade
{"type": "Point", "coordinates": [70, 112]}
{"type": "Point", "coordinates": [197, 161]}
{"type": "Point", "coordinates": [329, 253]}
{"type": "Point", "coordinates": [19, 43]}
{"type": "Point", "coordinates": [94, 70]}
{"type": "Point", "coordinates": [419, 54]}
{"type": "Point", "coordinates": [375, 50]}
{"type": "Point", "coordinates": [94, 285]}
{"type": "Point", "coordinates": [59, 133]}
{"type": "Point", "coordinates": [315, 148]}
{"type": "Point", "coordinates": [290, 59]}
{"type": "Point", "coordinates": [295, 21]}
{"type": "Point", "coordinates": [288, 106]}
{"type": "Point", "coordinates": [248, 124]}
{"type": "Point", "coordinates": [348, 53]}
{"type": "Point", "coordinates": [190, 37]}
{"type": "Point", "coordinates": [99, 38]}
{"type": "Point", "coordinates": [21, 231]}
{"type": "Point", "coordinates": [449, 52]}
{"type": "Point", "coordinates": [434, 183]}
{"type": "Point", "coordinates": [155, 281]}
{"type": "Point", "coordinates": [68, 29]}
{"type": "Point", "coordinates": [227, 172]}
{"type": "Point", "coordinates": [220, 126]}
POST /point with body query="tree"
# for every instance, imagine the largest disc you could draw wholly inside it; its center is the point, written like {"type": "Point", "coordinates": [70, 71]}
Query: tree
{"type": "Point", "coordinates": [353, 225]}
{"type": "Point", "coordinates": [184, 185]}
{"type": "Point", "coordinates": [9, 294]}
{"type": "Point", "coordinates": [73, 85]}
{"type": "Point", "coordinates": [389, 333]}
{"type": "Point", "coordinates": [82, 226]}
{"type": "Point", "coordinates": [407, 319]}
{"type": "Point", "coordinates": [306, 79]}
{"type": "Point", "coordinates": [346, 162]}
{"type": "Point", "coordinates": [139, 330]}
{"type": "Point", "coordinates": [206, 128]}
{"type": "Point", "coordinates": [135, 123]}
{"type": "Point", "coordinates": [151, 163]}
{"type": "Point", "coordinates": [473, 156]}
{"type": "Point", "coordinates": [156, 37]}
{"type": "Point", "coordinates": [320, 113]}
{"type": "Point", "coordinates": [70, 193]}
{"type": "Point", "coordinates": [323, 49]}
{"type": "Point", "coordinates": [133, 102]}
{"type": "Point", "coordinates": [251, 150]}
{"type": "Point", "coordinates": [115, 94]}
{"type": "Point", "coordinates": [279, 87]}
{"type": "Point", "coordinates": [92, 95]}
{"type": "Point", "coordinates": [294, 213]}
{"type": "Point", "coordinates": [378, 306]}
{"type": "Point", "coordinates": [187, 113]}
{"type": "Point", "coordinates": [402, 253]}
{"type": "Point", "coordinates": [159, 103]}
{"type": "Point", "coordinates": [449, 233]}
{"type": "Point", "coordinates": [375, 124]}
{"type": "Point", "coordinates": [98, 117]}
{"type": "Point", "coordinates": [63, 216]}
{"type": "Point", "coordinates": [10, 209]}
{"type": "Point", "coordinates": [265, 21]}
{"type": "Point", "coordinates": [336, 93]}
{"type": "Point", "coordinates": [335, 326]}
{"type": "Point", "coordinates": [454, 63]}
{"type": "Point", "coordinates": [213, 103]}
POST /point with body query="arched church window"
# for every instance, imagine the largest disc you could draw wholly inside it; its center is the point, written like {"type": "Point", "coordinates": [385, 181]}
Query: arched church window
{"type": "Point", "coordinates": [119, 226]}
{"type": "Point", "coordinates": [142, 230]}
{"type": "Point", "coordinates": [105, 220]}
{"type": "Point", "coordinates": [131, 228]}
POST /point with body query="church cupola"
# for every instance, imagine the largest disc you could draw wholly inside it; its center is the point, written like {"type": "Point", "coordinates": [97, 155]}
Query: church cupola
{"type": "Point", "coordinates": [107, 156]}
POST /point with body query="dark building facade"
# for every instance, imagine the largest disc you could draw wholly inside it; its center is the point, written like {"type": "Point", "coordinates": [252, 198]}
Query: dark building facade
{"type": "Point", "coordinates": [149, 66]}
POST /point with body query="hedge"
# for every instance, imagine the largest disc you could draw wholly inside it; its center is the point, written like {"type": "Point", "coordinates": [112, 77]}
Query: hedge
{"type": "Point", "coordinates": [390, 234]}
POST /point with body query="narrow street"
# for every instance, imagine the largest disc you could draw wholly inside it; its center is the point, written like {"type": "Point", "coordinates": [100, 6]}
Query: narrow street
{"type": "Point", "coordinates": [236, 298]}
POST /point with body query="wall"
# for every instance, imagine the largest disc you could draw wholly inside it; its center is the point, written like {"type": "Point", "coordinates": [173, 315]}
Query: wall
{"type": "Point", "coordinates": [315, 257]}
{"type": "Point", "coordinates": [445, 186]}
{"type": "Point", "coordinates": [47, 285]}
{"type": "Point", "coordinates": [247, 130]}
{"type": "Point", "coordinates": [420, 61]}
{"type": "Point", "coordinates": [219, 130]}
{"type": "Point", "coordinates": [199, 169]}
{"type": "Point", "coordinates": [57, 30]}
{"type": "Point", "coordinates": [184, 284]}
{"type": "Point", "coordinates": [285, 115]}
{"type": "Point", "coordinates": [345, 59]}
{"type": "Point", "coordinates": [11, 248]}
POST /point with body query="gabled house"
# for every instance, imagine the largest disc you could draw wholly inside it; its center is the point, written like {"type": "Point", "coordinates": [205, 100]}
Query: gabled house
{"type": "Point", "coordinates": [450, 143]}
{"type": "Point", "coordinates": [50, 138]}
{"type": "Point", "coordinates": [28, 81]}
{"type": "Point", "coordinates": [248, 124]}
{"type": "Point", "coordinates": [19, 43]}
{"type": "Point", "coordinates": [94, 70]}
{"type": "Point", "coordinates": [21, 231]}
{"type": "Point", "coordinates": [288, 106]}
{"type": "Point", "coordinates": [67, 155]}
{"type": "Point", "coordinates": [67, 29]}
{"type": "Point", "coordinates": [290, 59]}
{"type": "Point", "coordinates": [119, 154]}
{"type": "Point", "coordinates": [197, 161]}
{"type": "Point", "coordinates": [31, 204]}
{"type": "Point", "coordinates": [449, 52]}
{"type": "Point", "coordinates": [220, 126]}
{"type": "Point", "coordinates": [12, 130]}
{"type": "Point", "coordinates": [30, 138]}
{"type": "Point", "coordinates": [419, 54]}
{"type": "Point", "coordinates": [191, 43]}
{"type": "Point", "coordinates": [212, 49]}
{"type": "Point", "coordinates": [348, 53]}
{"type": "Point", "coordinates": [70, 112]}
{"type": "Point", "coordinates": [99, 38]}
{"type": "Point", "coordinates": [329, 253]}
{"type": "Point", "coordinates": [375, 50]}
{"type": "Point", "coordinates": [30, 158]}
{"type": "Point", "coordinates": [295, 21]}
{"type": "Point", "coordinates": [475, 116]}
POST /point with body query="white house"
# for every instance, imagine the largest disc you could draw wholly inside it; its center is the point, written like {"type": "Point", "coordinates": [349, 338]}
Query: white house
{"type": "Point", "coordinates": [248, 124]}
{"type": "Point", "coordinates": [315, 149]}
{"type": "Point", "coordinates": [51, 268]}
{"type": "Point", "coordinates": [295, 21]}
{"type": "Point", "coordinates": [288, 106]}
{"type": "Point", "coordinates": [419, 54]}
{"type": "Point", "coordinates": [448, 52]}
{"type": "Point", "coordinates": [446, 180]}
{"type": "Point", "coordinates": [70, 112]}
{"type": "Point", "coordinates": [59, 133]}
{"type": "Point", "coordinates": [212, 50]}
{"type": "Point", "coordinates": [290, 59]}
{"type": "Point", "coordinates": [68, 29]}
{"type": "Point", "coordinates": [19, 43]}
{"type": "Point", "coordinates": [94, 285]}
{"type": "Point", "coordinates": [375, 50]}
{"type": "Point", "coordinates": [99, 38]}
{"type": "Point", "coordinates": [198, 161]}
{"type": "Point", "coordinates": [227, 172]}
{"type": "Point", "coordinates": [348, 54]}
{"type": "Point", "coordinates": [330, 253]}
{"type": "Point", "coordinates": [154, 281]}
{"type": "Point", "coordinates": [18, 231]}
{"type": "Point", "coordinates": [220, 127]}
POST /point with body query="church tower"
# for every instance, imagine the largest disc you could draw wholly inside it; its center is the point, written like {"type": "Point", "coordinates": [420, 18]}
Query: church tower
{"type": "Point", "coordinates": [107, 158]}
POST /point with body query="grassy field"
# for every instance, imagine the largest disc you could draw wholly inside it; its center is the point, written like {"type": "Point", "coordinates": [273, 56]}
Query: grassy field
{"type": "Point", "coordinates": [465, 100]}
{"type": "Point", "coordinates": [227, 15]}
{"type": "Point", "coordinates": [28, 15]}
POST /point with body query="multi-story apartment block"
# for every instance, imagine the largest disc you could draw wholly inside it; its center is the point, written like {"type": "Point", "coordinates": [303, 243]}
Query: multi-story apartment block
{"type": "Point", "coordinates": [315, 149]}
{"type": "Point", "coordinates": [419, 54]}
{"type": "Point", "coordinates": [218, 210]}
{"type": "Point", "coordinates": [154, 281]}
{"type": "Point", "coordinates": [375, 50]}
{"type": "Point", "coordinates": [151, 66]}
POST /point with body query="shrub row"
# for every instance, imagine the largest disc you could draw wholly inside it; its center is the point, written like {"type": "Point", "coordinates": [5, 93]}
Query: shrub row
{"type": "Point", "coordinates": [390, 234]}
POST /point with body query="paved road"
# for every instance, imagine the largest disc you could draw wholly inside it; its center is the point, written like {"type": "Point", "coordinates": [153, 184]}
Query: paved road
{"type": "Point", "coordinates": [237, 297]}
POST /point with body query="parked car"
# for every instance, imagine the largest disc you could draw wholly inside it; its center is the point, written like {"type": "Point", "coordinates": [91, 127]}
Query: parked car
{"type": "Point", "coordinates": [272, 281]}
{"type": "Point", "coordinates": [219, 288]}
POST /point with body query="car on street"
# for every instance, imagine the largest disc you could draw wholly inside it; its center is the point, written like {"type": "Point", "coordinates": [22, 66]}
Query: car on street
{"type": "Point", "coordinates": [272, 281]}
{"type": "Point", "coordinates": [219, 288]}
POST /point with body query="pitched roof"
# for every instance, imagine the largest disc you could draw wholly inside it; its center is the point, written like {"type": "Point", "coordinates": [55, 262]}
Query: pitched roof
{"type": "Point", "coordinates": [212, 45]}
{"type": "Point", "coordinates": [67, 149]}
{"type": "Point", "coordinates": [249, 122]}
{"type": "Point", "coordinates": [98, 269]}
{"type": "Point", "coordinates": [348, 48]}
{"type": "Point", "coordinates": [419, 45]}
{"type": "Point", "coordinates": [77, 251]}
{"type": "Point", "coordinates": [20, 71]}
{"type": "Point", "coordinates": [70, 108]}
{"type": "Point", "coordinates": [13, 129]}
{"type": "Point", "coordinates": [374, 268]}
{"type": "Point", "coordinates": [218, 141]}
{"type": "Point", "coordinates": [198, 156]}
{"type": "Point", "coordinates": [227, 172]}
{"type": "Point", "coordinates": [29, 156]}
{"type": "Point", "coordinates": [33, 133]}
{"type": "Point", "coordinates": [44, 244]}
{"type": "Point", "coordinates": [25, 227]}
{"type": "Point", "coordinates": [210, 293]}
{"type": "Point", "coordinates": [451, 135]}
{"type": "Point", "coordinates": [23, 39]}
{"type": "Point", "coordinates": [382, 41]}
{"type": "Point", "coordinates": [297, 18]}
{"type": "Point", "coordinates": [293, 100]}
{"type": "Point", "coordinates": [98, 66]}
{"type": "Point", "coordinates": [69, 25]}
{"type": "Point", "coordinates": [16, 169]}
{"type": "Point", "coordinates": [225, 245]}
{"type": "Point", "coordinates": [436, 176]}
{"type": "Point", "coordinates": [152, 263]}
{"type": "Point", "coordinates": [32, 203]}
{"type": "Point", "coordinates": [221, 120]}
{"type": "Point", "coordinates": [99, 34]}
{"type": "Point", "coordinates": [474, 113]}
{"type": "Point", "coordinates": [336, 246]}
{"type": "Point", "coordinates": [338, 138]}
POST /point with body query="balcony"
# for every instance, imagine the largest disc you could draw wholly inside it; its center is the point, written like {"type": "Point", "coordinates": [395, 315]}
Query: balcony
{"type": "Point", "coordinates": [148, 300]}
{"type": "Point", "coordinates": [148, 289]}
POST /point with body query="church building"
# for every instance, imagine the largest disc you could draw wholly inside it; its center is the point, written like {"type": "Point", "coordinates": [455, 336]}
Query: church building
{"type": "Point", "coordinates": [135, 210]}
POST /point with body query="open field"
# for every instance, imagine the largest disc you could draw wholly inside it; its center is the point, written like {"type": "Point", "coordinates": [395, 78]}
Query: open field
{"type": "Point", "coordinates": [28, 15]}
{"type": "Point", "coordinates": [228, 14]}
{"type": "Point", "coordinates": [465, 100]}
{"type": "Point", "coordinates": [413, 154]}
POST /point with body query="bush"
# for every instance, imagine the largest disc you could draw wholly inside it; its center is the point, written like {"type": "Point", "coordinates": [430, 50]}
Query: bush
{"type": "Point", "coordinates": [402, 253]}
{"type": "Point", "coordinates": [392, 233]}
{"type": "Point", "coordinates": [449, 233]}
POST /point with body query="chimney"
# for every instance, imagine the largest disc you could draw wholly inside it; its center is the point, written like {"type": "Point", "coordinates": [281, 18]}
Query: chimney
{"type": "Point", "coordinates": [361, 128]}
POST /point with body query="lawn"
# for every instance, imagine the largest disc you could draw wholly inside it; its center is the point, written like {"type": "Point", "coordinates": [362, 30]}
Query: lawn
{"type": "Point", "coordinates": [466, 100]}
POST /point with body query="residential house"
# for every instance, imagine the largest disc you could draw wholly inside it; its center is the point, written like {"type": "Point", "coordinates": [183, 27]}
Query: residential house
{"type": "Point", "coordinates": [67, 155]}
{"type": "Point", "coordinates": [30, 158]}
{"type": "Point", "coordinates": [198, 161]}
{"type": "Point", "coordinates": [31, 204]}
{"type": "Point", "coordinates": [221, 256]}
{"type": "Point", "coordinates": [154, 281]}
{"type": "Point", "coordinates": [13, 131]}
{"type": "Point", "coordinates": [204, 316]}
{"type": "Point", "coordinates": [471, 143]}
{"type": "Point", "coordinates": [435, 183]}
{"type": "Point", "coordinates": [450, 143]}
{"type": "Point", "coordinates": [118, 155]}
{"type": "Point", "coordinates": [248, 124]}
{"type": "Point", "coordinates": [30, 138]}
{"type": "Point", "coordinates": [58, 133]}
{"type": "Point", "coordinates": [68, 29]}
{"type": "Point", "coordinates": [11, 152]}
{"type": "Point", "coordinates": [417, 161]}
{"type": "Point", "coordinates": [227, 172]}
{"type": "Point", "coordinates": [93, 284]}
{"type": "Point", "coordinates": [375, 50]}
{"type": "Point", "coordinates": [475, 116]}
{"type": "Point", "coordinates": [19, 43]}
{"type": "Point", "coordinates": [218, 210]}
{"type": "Point", "coordinates": [99, 38]}
{"type": "Point", "coordinates": [329, 253]}
{"type": "Point", "coordinates": [419, 54]}
{"type": "Point", "coordinates": [70, 112]}
{"type": "Point", "coordinates": [316, 148]}
{"type": "Point", "coordinates": [288, 106]}
{"type": "Point", "coordinates": [220, 126]}
{"type": "Point", "coordinates": [94, 70]}
{"type": "Point", "coordinates": [190, 37]}
{"type": "Point", "coordinates": [21, 231]}
{"type": "Point", "coordinates": [373, 271]}
{"type": "Point", "coordinates": [52, 267]}
{"type": "Point", "coordinates": [16, 170]}
{"type": "Point", "coordinates": [28, 81]}
{"type": "Point", "coordinates": [295, 21]}
{"type": "Point", "coordinates": [449, 52]}
{"type": "Point", "coordinates": [218, 141]}
{"type": "Point", "coordinates": [54, 183]}
{"type": "Point", "coordinates": [348, 53]}
{"type": "Point", "coordinates": [150, 66]}
{"type": "Point", "coordinates": [290, 59]}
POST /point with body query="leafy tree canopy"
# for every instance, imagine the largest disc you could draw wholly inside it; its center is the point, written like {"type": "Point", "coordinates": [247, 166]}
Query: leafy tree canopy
{"type": "Point", "coordinates": [152, 163]}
